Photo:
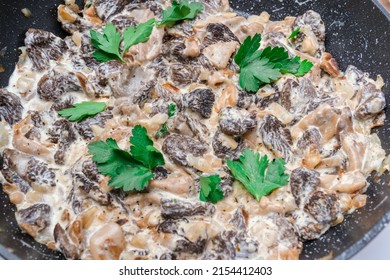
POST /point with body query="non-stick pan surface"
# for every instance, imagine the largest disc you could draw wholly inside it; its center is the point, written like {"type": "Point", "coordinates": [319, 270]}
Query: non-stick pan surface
{"type": "Point", "coordinates": [357, 34]}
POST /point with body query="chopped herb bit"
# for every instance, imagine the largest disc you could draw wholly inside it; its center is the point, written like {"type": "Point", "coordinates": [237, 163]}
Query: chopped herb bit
{"type": "Point", "coordinates": [171, 110]}
{"type": "Point", "coordinates": [88, 4]}
{"type": "Point", "coordinates": [294, 34]}
{"type": "Point", "coordinates": [162, 132]}
{"type": "Point", "coordinates": [164, 128]}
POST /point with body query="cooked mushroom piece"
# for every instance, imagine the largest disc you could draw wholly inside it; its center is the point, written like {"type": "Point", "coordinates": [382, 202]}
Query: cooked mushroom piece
{"type": "Point", "coordinates": [85, 127]}
{"type": "Point", "coordinates": [222, 247]}
{"type": "Point", "coordinates": [108, 242]}
{"type": "Point", "coordinates": [372, 102]}
{"type": "Point", "coordinates": [107, 8]}
{"type": "Point", "coordinates": [200, 101]}
{"type": "Point", "coordinates": [34, 218]}
{"type": "Point", "coordinates": [177, 209]}
{"type": "Point", "coordinates": [55, 84]}
{"type": "Point", "coordinates": [218, 32]}
{"type": "Point", "coordinates": [311, 39]}
{"type": "Point", "coordinates": [226, 146]}
{"type": "Point", "coordinates": [315, 21]}
{"type": "Point", "coordinates": [25, 171]}
{"type": "Point", "coordinates": [168, 226]}
{"type": "Point", "coordinates": [178, 147]}
{"type": "Point", "coordinates": [10, 107]}
{"type": "Point", "coordinates": [9, 172]}
{"type": "Point", "coordinates": [216, 6]}
{"type": "Point", "coordinates": [117, 79]}
{"type": "Point", "coordinates": [307, 227]}
{"type": "Point", "coordinates": [67, 246]}
{"type": "Point", "coordinates": [355, 76]}
{"type": "Point", "coordinates": [276, 136]}
{"type": "Point", "coordinates": [91, 188]}
{"type": "Point", "coordinates": [303, 181]}
{"type": "Point", "coordinates": [322, 206]}
{"type": "Point", "coordinates": [63, 134]}
{"type": "Point", "coordinates": [184, 74]}
{"type": "Point", "coordinates": [329, 64]}
{"type": "Point", "coordinates": [219, 54]}
{"type": "Point", "coordinates": [325, 118]}
{"type": "Point", "coordinates": [245, 99]}
{"type": "Point", "coordinates": [43, 46]}
{"type": "Point", "coordinates": [236, 122]}
{"type": "Point", "coordinates": [311, 137]}
{"type": "Point", "coordinates": [186, 246]}
{"type": "Point", "coordinates": [38, 173]}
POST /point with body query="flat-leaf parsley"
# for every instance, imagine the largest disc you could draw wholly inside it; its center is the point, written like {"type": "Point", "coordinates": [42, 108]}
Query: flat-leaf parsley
{"type": "Point", "coordinates": [108, 44]}
{"type": "Point", "coordinates": [130, 171]}
{"type": "Point", "coordinates": [258, 175]}
{"type": "Point", "coordinates": [180, 11]}
{"type": "Point", "coordinates": [82, 110]}
{"type": "Point", "coordinates": [260, 67]}
{"type": "Point", "coordinates": [210, 189]}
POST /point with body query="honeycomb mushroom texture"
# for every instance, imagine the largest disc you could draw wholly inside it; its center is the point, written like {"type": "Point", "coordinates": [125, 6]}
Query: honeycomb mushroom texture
{"type": "Point", "coordinates": [10, 107]}
{"type": "Point", "coordinates": [320, 124]}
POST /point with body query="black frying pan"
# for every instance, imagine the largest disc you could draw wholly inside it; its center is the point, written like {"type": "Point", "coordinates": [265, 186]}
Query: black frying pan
{"type": "Point", "coordinates": [357, 33]}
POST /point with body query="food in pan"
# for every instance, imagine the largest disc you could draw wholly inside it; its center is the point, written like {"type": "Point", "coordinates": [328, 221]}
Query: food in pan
{"type": "Point", "coordinates": [181, 130]}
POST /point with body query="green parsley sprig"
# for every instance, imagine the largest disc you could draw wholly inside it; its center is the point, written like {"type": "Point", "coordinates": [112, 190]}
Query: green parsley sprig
{"type": "Point", "coordinates": [210, 189]}
{"type": "Point", "coordinates": [260, 67]}
{"type": "Point", "coordinates": [180, 11]}
{"type": "Point", "coordinates": [82, 110]}
{"type": "Point", "coordinates": [108, 44]}
{"type": "Point", "coordinates": [130, 171]}
{"type": "Point", "coordinates": [258, 175]}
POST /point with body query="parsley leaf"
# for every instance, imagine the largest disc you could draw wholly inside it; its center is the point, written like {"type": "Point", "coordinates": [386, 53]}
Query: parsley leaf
{"type": "Point", "coordinates": [259, 67]}
{"type": "Point", "coordinates": [108, 44]}
{"type": "Point", "coordinates": [258, 73]}
{"type": "Point", "coordinates": [82, 110]}
{"type": "Point", "coordinates": [135, 35]}
{"type": "Point", "coordinates": [247, 50]}
{"type": "Point", "coordinates": [257, 174]}
{"type": "Point", "coordinates": [130, 171]}
{"type": "Point", "coordinates": [179, 12]}
{"type": "Point", "coordinates": [164, 128]}
{"type": "Point", "coordinates": [162, 132]}
{"type": "Point", "coordinates": [142, 149]}
{"type": "Point", "coordinates": [131, 178]}
{"type": "Point", "coordinates": [108, 156]}
{"type": "Point", "coordinates": [304, 67]}
{"type": "Point", "coordinates": [210, 189]}
{"type": "Point", "coordinates": [294, 34]}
